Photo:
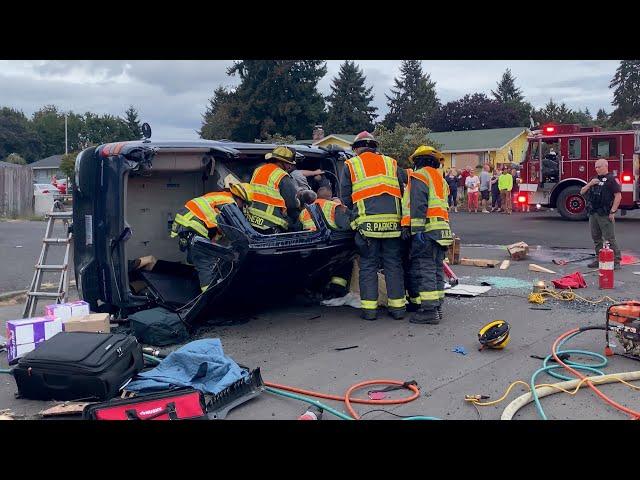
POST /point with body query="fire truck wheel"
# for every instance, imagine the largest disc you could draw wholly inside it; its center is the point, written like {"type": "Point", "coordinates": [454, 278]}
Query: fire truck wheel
{"type": "Point", "coordinates": [571, 204]}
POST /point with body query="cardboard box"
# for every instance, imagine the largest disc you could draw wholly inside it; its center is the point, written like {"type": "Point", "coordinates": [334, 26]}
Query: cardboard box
{"type": "Point", "coordinates": [27, 334]}
{"type": "Point", "coordinates": [64, 311]}
{"type": "Point", "coordinates": [94, 322]}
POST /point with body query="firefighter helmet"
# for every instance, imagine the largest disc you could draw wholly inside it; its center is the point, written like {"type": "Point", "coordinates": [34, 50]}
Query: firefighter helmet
{"type": "Point", "coordinates": [364, 139]}
{"type": "Point", "coordinates": [282, 153]}
{"type": "Point", "coordinates": [242, 190]}
{"type": "Point", "coordinates": [426, 151]}
{"type": "Point", "coordinates": [494, 335]}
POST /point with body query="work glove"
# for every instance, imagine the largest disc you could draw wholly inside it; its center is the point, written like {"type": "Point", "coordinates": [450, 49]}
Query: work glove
{"type": "Point", "coordinates": [405, 235]}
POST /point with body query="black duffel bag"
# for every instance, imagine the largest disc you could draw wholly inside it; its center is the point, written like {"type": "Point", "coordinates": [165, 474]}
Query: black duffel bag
{"type": "Point", "coordinates": [158, 326]}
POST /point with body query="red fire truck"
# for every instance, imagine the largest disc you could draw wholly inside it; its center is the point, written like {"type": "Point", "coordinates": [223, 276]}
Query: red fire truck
{"type": "Point", "coordinates": [561, 159]}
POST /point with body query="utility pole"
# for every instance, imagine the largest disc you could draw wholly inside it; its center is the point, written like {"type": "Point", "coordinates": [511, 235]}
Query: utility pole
{"type": "Point", "coordinates": [66, 145]}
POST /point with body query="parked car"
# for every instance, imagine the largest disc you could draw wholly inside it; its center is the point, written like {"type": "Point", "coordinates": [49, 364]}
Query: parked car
{"type": "Point", "coordinates": [126, 196]}
{"type": "Point", "coordinates": [62, 186]}
{"type": "Point", "coordinates": [45, 189]}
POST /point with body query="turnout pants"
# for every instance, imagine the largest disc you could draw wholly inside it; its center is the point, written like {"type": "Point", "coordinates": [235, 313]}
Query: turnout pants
{"type": "Point", "coordinates": [205, 263]}
{"type": "Point", "coordinates": [602, 230]}
{"type": "Point", "coordinates": [388, 252]}
{"type": "Point", "coordinates": [426, 277]}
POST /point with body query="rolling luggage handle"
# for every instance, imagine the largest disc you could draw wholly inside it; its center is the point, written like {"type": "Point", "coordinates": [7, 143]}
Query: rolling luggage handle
{"type": "Point", "coordinates": [170, 411]}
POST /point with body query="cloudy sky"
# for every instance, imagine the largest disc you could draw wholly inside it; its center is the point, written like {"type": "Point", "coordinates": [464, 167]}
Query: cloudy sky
{"type": "Point", "coordinates": [172, 95]}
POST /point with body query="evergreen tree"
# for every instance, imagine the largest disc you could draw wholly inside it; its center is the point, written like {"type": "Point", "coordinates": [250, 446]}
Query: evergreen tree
{"type": "Point", "coordinates": [414, 98]}
{"type": "Point", "coordinates": [277, 96]}
{"type": "Point", "coordinates": [507, 90]}
{"type": "Point", "coordinates": [17, 135]}
{"type": "Point", "coordinates": [602, 117]}
{"type": "Point", "coordinates": [350, 109]}
{"type": "Point", "coordinates": [626, 97]}
{"type": "Point", "coordinates": [131, 119]}
{"type": "Point", "coordinates": [218, 120]}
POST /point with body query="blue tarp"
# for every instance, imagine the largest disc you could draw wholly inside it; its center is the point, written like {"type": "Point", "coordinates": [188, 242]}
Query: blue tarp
{"type": "Point", "coordinates": [200, 364]}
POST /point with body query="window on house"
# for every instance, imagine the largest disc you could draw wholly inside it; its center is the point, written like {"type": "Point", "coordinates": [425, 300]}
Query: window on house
{"type": "Point", "coordinates": [575, 148]}
{"type": "Point", "coordinates": [603, 148]}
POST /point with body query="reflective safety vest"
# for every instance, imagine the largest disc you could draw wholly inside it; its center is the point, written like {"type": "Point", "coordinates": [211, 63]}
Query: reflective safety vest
{"type": "Point", "coordinates": [268, 208]}
{"type": "Point", "coordinates": [373, 178]}
{"type": "Point", "coordinates": [328, 212]}
{"type": "Point", "coordinates": [437, 215]}
{"type": "Point", "coordinates": [201, 213]}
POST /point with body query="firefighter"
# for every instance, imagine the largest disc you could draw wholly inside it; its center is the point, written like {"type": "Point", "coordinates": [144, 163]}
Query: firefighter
{"type": "Point", "coordinates": [371, 187]}
{"type": "Point", "coordinates": [336, 216]}
{"type": "Point", "coordinates": [275, 207]}
{"type": "Point", "coordinates": [426, 220]}
{"type": "Point", "coordinates": [199, 217]}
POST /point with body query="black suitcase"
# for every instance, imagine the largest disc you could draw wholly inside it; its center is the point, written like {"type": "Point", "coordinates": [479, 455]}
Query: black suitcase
{"type": "Point", "coordinates": [79, 365]}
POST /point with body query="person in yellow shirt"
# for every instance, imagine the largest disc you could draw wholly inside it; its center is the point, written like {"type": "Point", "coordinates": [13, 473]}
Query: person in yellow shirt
{"type": "Point", "coordinates": [505, 185]}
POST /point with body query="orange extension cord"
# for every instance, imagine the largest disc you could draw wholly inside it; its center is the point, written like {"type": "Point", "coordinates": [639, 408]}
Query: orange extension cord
{"type": "Point", "coordinates": [613, 403]}
{"type": "Point", "coordinates": [347, 396]}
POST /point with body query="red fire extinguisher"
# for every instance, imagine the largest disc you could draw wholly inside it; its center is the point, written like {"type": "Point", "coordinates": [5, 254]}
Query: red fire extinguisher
{"type": "Point", "coordinates": [605, 272]}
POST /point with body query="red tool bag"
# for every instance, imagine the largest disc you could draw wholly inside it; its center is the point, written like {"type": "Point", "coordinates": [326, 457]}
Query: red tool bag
{"type": "Point", "coordinates": [179, 404]}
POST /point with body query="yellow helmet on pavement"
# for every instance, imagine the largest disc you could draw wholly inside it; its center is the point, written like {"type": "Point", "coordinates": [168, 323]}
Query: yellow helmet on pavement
{"type": "Point", "coordinates": [494, 335]}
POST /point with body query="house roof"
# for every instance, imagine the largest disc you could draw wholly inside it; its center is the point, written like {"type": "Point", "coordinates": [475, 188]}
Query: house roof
{"type": "Point", "coordinates": [345, 137]}
{"type": "Point", "coordinates": [476, 140]}
{"type": "Point", "coordinates": [50, 162]}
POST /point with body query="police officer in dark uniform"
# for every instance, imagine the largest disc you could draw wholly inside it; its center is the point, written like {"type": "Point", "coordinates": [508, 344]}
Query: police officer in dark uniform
{"type": "Point", "coordinates": [603, 199]}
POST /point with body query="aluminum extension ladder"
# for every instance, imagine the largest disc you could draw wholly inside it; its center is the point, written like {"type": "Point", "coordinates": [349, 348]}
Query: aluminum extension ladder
{"type": "Point", "coordinates": [60, 296]}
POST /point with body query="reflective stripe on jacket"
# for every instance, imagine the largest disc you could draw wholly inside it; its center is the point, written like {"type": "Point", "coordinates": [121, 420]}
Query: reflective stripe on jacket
{"type": "Point", "coordinates": [268, 208]}
{"type": "Point", "coordinates": [328, 208]}
{"type": "Point", "coordinates": [424, 205]}
{"type": "Point", "coordinates": [206, 208]}
{"type": "Point", "coordinates": [186, 220]}
{"type": "Point", "coordinates": [375, 193]}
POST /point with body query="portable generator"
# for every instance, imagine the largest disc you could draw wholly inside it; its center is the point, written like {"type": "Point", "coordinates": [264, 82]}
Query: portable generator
{"type": "Point", "coordinates": [624, 319]}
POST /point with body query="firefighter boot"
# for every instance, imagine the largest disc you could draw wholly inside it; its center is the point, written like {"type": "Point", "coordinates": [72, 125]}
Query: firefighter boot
{"type": "Point", "coordinates": [397, 313]}
{"type": "Point", "coordinates": [369, 314]}
{"type": "Point", "coordinates": [425, 316]}
{"type": "Point", "coordinates": [412, 307]}
{"type": "Point", "coordinates": [439, 313]}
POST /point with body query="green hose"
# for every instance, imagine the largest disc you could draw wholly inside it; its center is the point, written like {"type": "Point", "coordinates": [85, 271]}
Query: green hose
{"type": "Point", "coordinates": [8, 371]}
{"type": "Point", "coordinates": [576, 365]}
{"type": "Point", "coordinates": [318, 404]}
{"type": "Point", "coordinates": [323, 406]}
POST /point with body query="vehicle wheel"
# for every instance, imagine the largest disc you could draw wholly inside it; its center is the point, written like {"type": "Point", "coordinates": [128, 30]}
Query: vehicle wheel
{"type": "Point", "coordinates": [571, 204]}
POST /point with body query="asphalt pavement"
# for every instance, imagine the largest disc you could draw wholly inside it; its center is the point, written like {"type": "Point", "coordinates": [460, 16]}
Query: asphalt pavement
{"type": "Point", "coordinates": [21, 241]}
{"type": "Point", "coordinates": [296, 343]}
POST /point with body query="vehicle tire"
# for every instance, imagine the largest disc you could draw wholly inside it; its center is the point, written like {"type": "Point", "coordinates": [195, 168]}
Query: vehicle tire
{"type": "Point", "coordinates": [571, 204]}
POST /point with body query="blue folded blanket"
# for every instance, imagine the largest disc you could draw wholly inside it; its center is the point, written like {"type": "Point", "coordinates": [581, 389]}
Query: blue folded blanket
{"type": "Point", "coordinates": [200, 364]}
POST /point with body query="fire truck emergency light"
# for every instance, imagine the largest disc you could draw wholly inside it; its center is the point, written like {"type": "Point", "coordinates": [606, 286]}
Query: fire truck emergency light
{"type": "Point", "coordinates": [626, 178]}
{"type": "Point", "coordinates": [522, 199]}
{"type": "Point", "coordinates": [549, 129]}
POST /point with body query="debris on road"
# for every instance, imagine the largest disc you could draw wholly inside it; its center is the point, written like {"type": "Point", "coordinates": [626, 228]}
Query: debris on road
{"type": "Point", "coordinates": [505, 282]}
{"type": "Point", "coordinates": [66, 408]}
{"type": "Point", "coordinates": [479, 262]}
{"type": "Point", "coordinates": [573, 280]}
{"type": "Point", "coordinates": [537, 268]}
{"type": "Point", "coordinates": [459, 349]}
{"type": "Point", "coordinates": [505, 264]}
{"type": "Point", "coordinates": [467, 290]}
{"type": "Point", "coordinates": [518, 251]}
{"type": "Point", "coordinates": [339, 349]}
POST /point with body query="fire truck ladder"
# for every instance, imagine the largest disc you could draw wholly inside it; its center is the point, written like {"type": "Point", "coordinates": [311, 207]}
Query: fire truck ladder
{"type": "Point", "coordinates": [35, 290]}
